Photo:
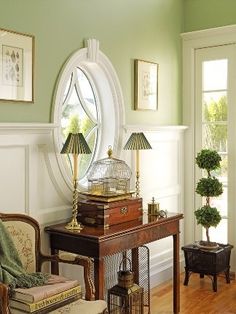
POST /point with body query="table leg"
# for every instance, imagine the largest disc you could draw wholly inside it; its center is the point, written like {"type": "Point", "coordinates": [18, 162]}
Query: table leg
{"type": "Point", "coordinates": [54, 265]}
{"type": "Point", "coordinates": [214, 283]}
{"type": "Point", "coordinates": [99, 278]}
{"type": "Point", "coordinates": [135, 265]}
{"type": "Point", "coordinates": [227, 276]}
{"type": "Point", "coordinates": [176, 274]}
{"type": "Point", "coordinates": [186, 279]}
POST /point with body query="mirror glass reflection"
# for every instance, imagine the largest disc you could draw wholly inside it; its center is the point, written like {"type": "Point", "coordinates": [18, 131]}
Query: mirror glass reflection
{"type": "Point", "coordinates": [80, 112]}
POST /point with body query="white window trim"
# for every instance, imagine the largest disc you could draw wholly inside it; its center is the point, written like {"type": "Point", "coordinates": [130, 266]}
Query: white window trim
{"type": "Point", "coordinates": [109, 94]}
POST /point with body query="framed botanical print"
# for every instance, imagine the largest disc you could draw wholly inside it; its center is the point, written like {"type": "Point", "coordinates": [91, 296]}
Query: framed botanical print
{"type": "Point", "coordinates": [16, 66]}
{"type": "Point", "coordinates": [145, 85]}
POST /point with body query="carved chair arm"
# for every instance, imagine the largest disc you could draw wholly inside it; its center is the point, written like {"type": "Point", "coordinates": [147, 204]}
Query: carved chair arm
{"type": "Point", "coordinates": [42, 258]}
{"type": "Point", "coordinates": [4, 300]}
{"type": "Point", "coordinates": [48, 258]}
{"type": "Point", "coordinates": [70, 258]}
{"type": "Point", "coordinates": [86, 263]}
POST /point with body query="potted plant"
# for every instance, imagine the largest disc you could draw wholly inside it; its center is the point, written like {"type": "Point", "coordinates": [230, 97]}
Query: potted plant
{"type": "Point", "coordinates": [208, 187]}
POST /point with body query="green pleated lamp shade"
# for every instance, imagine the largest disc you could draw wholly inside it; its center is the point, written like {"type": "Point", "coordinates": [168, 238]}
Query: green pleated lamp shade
{"type": "Point", "coordinates": [75, 144]}
{"type": "Point", "coordinates": [137, 141]}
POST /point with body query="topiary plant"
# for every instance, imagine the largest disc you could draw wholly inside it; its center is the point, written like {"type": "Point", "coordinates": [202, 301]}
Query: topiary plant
{"type": "Point", "coordinates": [208, 216]}
{"type": "Point", "coordinates": [208, 159]}
{"type": "Point", "coordinates": [209, 187]}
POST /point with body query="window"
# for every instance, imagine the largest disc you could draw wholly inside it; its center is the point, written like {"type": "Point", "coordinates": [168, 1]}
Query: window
{"type": "Point", "coordinates": [215, 132]}
{"type": "Point", "coordinates": [213, 126]}
{"type": "Point", "coordinates": [88, 94]}
{"type": "Point", "coordinates": [80, 107]}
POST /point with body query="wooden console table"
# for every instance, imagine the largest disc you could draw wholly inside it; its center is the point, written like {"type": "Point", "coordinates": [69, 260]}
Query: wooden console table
{"type": "Point", "coordinates": [97, 243]}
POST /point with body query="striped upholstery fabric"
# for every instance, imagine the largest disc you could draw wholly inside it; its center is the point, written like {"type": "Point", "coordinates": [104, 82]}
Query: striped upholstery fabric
{"type": "Point", "coordinates": [83, 307]}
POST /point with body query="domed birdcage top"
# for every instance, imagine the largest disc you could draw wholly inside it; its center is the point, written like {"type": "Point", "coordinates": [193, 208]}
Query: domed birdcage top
{"type": "Point", "coordinates": [109, 175]}
{"type": "Point", "coordinates": [109, 168]}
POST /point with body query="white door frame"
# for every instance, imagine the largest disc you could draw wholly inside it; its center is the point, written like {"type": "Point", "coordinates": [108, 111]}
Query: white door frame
{"type": "Point", "coordinates": [191, 42]}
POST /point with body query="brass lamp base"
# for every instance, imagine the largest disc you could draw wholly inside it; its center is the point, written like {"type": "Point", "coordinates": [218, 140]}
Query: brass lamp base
{"type": "Point", "coordinates": [74, 225]}
{"type": "Point", "coordinates": [137, 184]}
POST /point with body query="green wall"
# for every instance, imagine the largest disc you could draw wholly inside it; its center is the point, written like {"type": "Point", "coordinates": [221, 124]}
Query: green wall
{"type": "Point", "coordinates": [203, 14]}
{"type": "Point", "coordinates": [126, 29]}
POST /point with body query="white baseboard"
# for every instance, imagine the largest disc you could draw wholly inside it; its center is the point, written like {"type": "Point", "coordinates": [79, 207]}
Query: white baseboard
{"type": "Point", "coordinates": [163, 271]}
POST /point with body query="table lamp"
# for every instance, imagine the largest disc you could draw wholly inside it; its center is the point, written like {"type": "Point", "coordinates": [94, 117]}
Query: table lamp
{"type": "Point", "coordinates": [137, 141]}
{"type": "Point", "coordinates": [75, 144]}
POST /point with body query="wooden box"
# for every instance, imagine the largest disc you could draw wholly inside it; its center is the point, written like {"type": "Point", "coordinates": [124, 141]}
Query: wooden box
{"type": "Point", "coordinates": [104, 214]}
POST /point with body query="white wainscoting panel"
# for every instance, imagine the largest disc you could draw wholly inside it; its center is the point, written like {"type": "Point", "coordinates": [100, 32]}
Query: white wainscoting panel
{"type": "Point", "coordinates": [14, 169]}
{"type": "Point", "coordinates": [30, 179]}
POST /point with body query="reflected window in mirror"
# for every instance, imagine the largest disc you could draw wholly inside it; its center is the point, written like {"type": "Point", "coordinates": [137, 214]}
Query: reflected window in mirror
{"type": "Point", "coordinates": [80, 110]}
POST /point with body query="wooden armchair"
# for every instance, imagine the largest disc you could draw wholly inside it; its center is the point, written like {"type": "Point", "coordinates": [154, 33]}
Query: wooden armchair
{"type": "Point", "coordinates": [25, 233]}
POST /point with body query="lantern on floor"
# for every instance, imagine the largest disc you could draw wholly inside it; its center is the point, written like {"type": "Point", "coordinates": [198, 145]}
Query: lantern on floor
{"type": "Point", "coordinates": [126, 297]}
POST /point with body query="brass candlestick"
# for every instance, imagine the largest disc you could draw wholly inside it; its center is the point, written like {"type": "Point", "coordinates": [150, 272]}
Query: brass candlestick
{"type": "Point", "coordinates": [75, 144]}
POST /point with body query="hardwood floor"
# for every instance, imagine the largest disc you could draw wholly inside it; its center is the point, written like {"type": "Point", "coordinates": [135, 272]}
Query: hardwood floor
{"type": "Point", "coordinates": [196, 298]}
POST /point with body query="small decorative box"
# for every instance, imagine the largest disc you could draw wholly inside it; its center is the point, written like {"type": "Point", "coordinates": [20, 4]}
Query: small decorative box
{"type": "Point", "coordinates": [105, 214]}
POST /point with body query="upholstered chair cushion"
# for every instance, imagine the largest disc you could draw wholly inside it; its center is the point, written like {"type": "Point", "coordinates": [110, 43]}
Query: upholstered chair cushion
{"type": "Point", "coordinates": [83, 307]}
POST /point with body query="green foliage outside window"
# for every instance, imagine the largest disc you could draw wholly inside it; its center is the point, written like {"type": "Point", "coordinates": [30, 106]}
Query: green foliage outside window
{"type": "Point", "coordinates": [214, 113]}
{"type": "Point", "coordinates": [215, 133]}
{"type": "Point", "coordinates": [84, 126]}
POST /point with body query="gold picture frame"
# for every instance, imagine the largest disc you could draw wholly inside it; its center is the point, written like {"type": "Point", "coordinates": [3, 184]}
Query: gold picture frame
{"type": "Point", "coordinates": [145, 85]}
{"type": "Point", "coordinates": [16, 66]}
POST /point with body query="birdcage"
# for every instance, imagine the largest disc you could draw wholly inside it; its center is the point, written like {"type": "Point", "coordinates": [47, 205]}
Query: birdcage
{"type": "Point", "coordinates": [109, 176]}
